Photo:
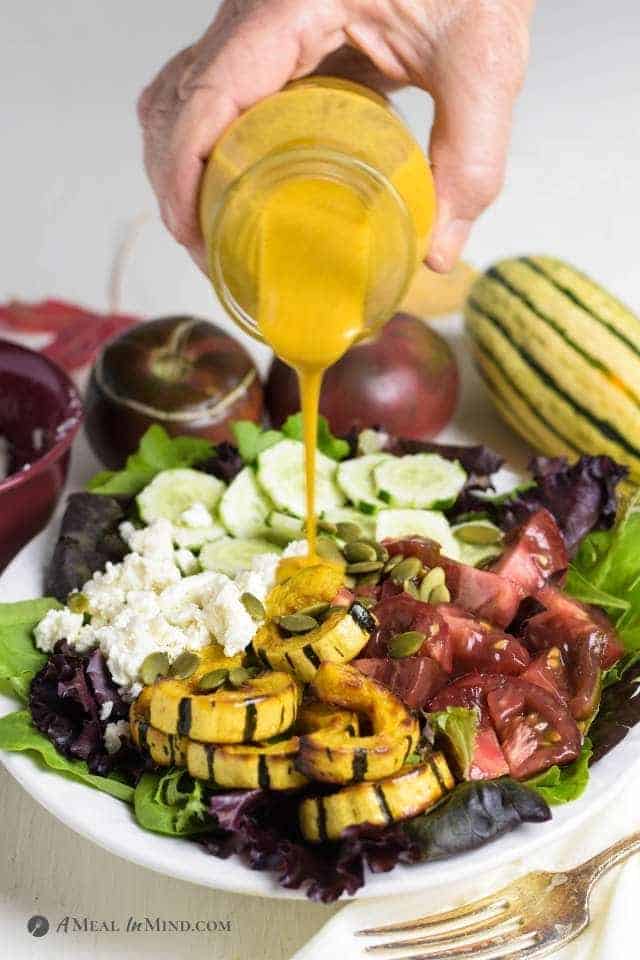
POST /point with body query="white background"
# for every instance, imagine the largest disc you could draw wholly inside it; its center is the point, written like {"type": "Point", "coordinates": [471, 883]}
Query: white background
{"type": "Point", "coordinates": [71, 184]}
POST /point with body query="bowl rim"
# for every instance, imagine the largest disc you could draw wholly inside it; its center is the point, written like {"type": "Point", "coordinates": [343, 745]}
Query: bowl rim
{"type": "Point", "coordinates": [73, 421]}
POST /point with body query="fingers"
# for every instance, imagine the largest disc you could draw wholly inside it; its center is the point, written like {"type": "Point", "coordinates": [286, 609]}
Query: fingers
{"type": "Point", "coordinates": [242, 58]}
{"type": "Point", "coordinates": [475, 79]}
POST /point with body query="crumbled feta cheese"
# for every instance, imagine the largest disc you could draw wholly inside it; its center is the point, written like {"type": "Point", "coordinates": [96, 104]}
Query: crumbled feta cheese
{"type": "Point", "coordinates": [297, 548]}
{"type": "Point", "coordinates": [114, 734]}
{"type": "Point", "coordinates": [143, 605]}
{"type": "Point", "coordinates": [155, 541]}
{"type": "Point", "coordinates": [57, 625]}
{"type": "Point", "coordinates": [186, 561]}
{"type": "Point", "coordinates": [228, 620]}
{"type": "Point", "coordinates": [197, 515]}
{"type": "Point", "coordinates": [105, 709]}
{"type": "Point", "coordinates": [195, 589]}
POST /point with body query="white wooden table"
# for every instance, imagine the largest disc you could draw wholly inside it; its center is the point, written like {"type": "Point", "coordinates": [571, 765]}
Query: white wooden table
{"type": "Point", "coordinates": [71, 182]}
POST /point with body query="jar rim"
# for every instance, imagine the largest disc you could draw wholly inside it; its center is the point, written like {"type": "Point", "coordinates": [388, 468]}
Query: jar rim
{"type": "Point", "coordinates": [304, 161]}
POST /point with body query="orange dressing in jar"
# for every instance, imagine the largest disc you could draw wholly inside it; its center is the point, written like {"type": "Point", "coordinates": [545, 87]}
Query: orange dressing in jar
{"type": "Point", "coordinates": [316, 207]}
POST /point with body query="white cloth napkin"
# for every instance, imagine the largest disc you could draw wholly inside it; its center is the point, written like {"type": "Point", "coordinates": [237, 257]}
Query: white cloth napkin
{"type": "Point", "coordinates": [612, 935]}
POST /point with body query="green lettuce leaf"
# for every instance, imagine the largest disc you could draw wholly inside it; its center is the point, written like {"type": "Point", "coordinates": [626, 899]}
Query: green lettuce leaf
{"type": "Point", "coordinates": [17, 733]}
{"type": "Point", "coordinates": [172, 803]}
{"type": "Point", "coordinates": [157, 451]}
{"type": "Point", "coordinates": [251, 439]}
{"type": "Point", "coordinates": [606, 571]}
{"type": "Point", "coordinates": [331, 446]}
{"type": "Point", "coordinates": [459, 726]}
{"type": "Point", "coordinates": [563, 784]}
{"type": "Point", "coordinates": [20, 660]}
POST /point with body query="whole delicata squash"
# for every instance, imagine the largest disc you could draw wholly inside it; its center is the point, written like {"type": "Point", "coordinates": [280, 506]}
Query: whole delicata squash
{"type": "Point", "coordinates": [405, 794]}
{"type": "Point", "coordinates": [263, 707]}
{"type": "Point", "coordinates": [331, 756]}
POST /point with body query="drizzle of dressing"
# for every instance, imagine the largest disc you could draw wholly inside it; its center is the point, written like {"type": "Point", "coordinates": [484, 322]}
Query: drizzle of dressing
{"type": "Point", "coordinates": [314, 249]}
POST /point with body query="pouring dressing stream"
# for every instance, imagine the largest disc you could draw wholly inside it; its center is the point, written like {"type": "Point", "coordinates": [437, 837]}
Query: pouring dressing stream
{"type": "Point", "coordinates": [316, 207]}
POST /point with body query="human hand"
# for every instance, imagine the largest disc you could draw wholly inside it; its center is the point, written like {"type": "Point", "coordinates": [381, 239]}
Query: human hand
{"type": "Point", "coordinates": [470, 55]}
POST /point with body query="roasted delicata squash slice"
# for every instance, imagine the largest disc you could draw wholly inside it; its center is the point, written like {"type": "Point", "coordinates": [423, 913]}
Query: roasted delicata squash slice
{"type": "Point", "coordinates": [165, 749]}
{"type": "Point", "coordinates": [339, 638]}
{"type": "Point", "coordinates": [333, 758]}
{"type": "Point", "coordinates": [269, 766]}
{"type": "Point", "coordinates": [263, 707]}
{"type": "Point", "coordinates": [405, 794]}
{"type": "Point", "coordinates": [306, 586]}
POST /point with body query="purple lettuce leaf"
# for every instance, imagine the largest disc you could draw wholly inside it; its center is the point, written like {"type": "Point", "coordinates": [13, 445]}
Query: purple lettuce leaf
{"type": "Point", "coordinates": [581, 496]}
{"type": "Point", "coordinates": [225, 464]}
{"type": "Point", "coordinates": [65, 702]}
{"type": "Point", "coordinates": [261, 828]}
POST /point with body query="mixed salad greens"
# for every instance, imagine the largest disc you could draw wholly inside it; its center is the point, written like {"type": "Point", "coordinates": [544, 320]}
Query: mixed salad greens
{"type": "Point", "coordinates": [392, 489]}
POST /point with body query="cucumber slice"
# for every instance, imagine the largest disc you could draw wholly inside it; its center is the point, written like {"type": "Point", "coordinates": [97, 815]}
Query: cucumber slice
{"type": "Point", "coordinates": [355, 479]}
{"type": "Point", "coordinates": [475, 553]}
{"type": "Point", "coordinates": [192, 538]}
{"type": "Point", "coordinates": [283, 528]}
{"type": "Point", "coordinates": [366, 522]}
{"type": "Point", "coordinates": [244, 508]}
{"type": "Point", "coordinates": [418, 523]}
{"type": "Point", "coordinates": [420, 480]}
{"type": "Point", "coordinates": [172, 492]}
{"type": "Point", "coordinates": [281, 475]}
{"type": "Point", "coordinates": [233, 556]}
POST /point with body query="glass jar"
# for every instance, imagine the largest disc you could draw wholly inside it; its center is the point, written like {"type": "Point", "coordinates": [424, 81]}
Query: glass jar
{"type": "Point", "coordinates": [321, 128]}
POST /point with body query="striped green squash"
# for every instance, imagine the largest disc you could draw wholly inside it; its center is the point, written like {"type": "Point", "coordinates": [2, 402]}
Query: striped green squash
{"type": "Point", "coordinates": [560, 357]}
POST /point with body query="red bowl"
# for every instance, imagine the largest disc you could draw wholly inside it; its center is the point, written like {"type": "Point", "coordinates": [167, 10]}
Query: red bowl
{"type": "Point", "coordinates": [40, 414]}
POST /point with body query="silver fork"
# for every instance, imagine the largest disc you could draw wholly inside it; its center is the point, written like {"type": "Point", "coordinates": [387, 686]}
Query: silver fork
{"type": "Point", "coordinates": [529, 918]}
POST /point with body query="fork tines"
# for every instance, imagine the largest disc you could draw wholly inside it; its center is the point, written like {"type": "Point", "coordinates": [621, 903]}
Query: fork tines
{"type": "Point", "coordinates": [462, 937]}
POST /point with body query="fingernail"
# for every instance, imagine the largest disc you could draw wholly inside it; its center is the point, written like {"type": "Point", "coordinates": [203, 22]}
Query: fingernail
{"type": "Point", "coordinates": [447, 245]}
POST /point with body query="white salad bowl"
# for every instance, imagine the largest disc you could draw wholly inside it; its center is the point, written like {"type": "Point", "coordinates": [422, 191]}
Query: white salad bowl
{"type": "Point", "coordinates": [110, 823]}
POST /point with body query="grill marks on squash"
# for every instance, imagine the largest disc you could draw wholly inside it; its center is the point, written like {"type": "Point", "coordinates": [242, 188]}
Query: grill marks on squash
{"type": "Point", "coordinates": [408, 792]}
{"type": "Point", "coordinates": [528, 329]}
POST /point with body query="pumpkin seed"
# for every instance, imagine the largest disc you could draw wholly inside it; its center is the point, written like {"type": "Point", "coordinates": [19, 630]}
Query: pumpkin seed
{"type": "Point", "coordinates": [213, 680]}
{"type": "Point", "coordinates": [253, 606]}
{"type": "Point", "coordinates": [238, 676]}
{"type": "Point", "coordinates": [153, 666]}
{"type": "Point", "coordinates": [435, 578]}
{"type": "Point", "coordinates": [440, 595]}
{"type": "Point", "coordinates": [478, 534]}
{"type": "Point", "coordinates": [78, 602]}
{"type": "Point", "coordinates": [366, 566]}
{"type": "Point", "coordinates": [393, 562]}
{"type": "Point", "coordinates": [409, 587]}
{"type": "Point", "coordinates": [370, 579]}
{"type": "Point", "coordinates": [405, 644]}
{"type": "Point", "coordinates": [329, 550]}
{"type": "Point", "coordinates": [327, 527]}
{"type": "Point", "coordinates": [383, 553]}
{"type": "Point", "coordinates": [315, 610]}
{"type": "Point", "coordinates": [357, 552]}
{"type": "Point", "coordinates": [297, 623]}
{"type": "Point", "coordinates": [184, 665]}
{"type": "Point", "coordinates": [349, 582]}
{"type": "Point", "coordinates": [407, 569]}
{"type": "Point", "coordinates": [348, 531]}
